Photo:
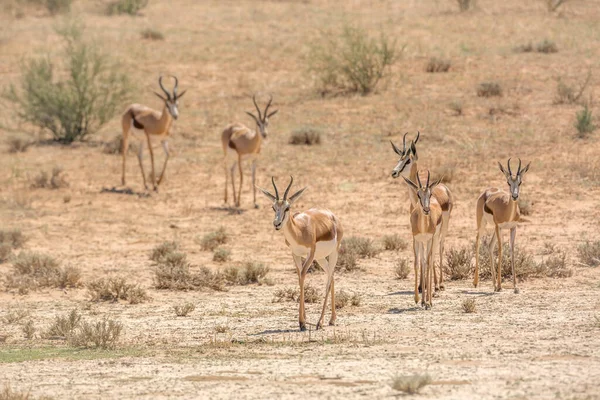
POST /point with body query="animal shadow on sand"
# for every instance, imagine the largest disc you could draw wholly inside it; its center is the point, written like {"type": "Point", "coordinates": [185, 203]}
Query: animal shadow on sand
{"type": "Point", "coordinates": [228, 210]}
{"type": "Point", "coordinates": [127, 191]}
{"type": "Point", "coordinates": [272, 331]}
{"type": "Point", "coordinates": [396, 310]}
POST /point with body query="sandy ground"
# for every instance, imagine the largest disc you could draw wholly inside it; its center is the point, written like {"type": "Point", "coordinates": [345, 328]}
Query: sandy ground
{"type": "Point", "coordinates": [542, 343]}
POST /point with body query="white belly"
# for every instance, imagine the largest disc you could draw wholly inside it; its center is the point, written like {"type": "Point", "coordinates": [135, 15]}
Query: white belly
{"type": "Point", "coordinates": [507, 225]}
{"type": "Point", "coordinates": [322, 249]}
{"type": "Point", "coordinates": [423, 237]}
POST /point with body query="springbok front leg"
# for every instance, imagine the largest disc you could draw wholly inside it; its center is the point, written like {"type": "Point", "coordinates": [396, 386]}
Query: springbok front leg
{"type": "Point", "coordinates": [417, 269]}
{"type": "Point", "coordinates": [499, 238]}
{"type": "Point", "coordinates": [513, 234]}
{"type": "Point", "coordinates": [239, 193]}
{"type": "Point", "coordinates": [302, 311]}
{"type": "Point", "coordinates": [152, 172]}
{"type": "Point", "coordinates": [233, 182]}
{"type": "Point", "coordinates": [333, 257]}
{"type": "Point", "coordinates": [165, 145]}
{"type": "Point", "coordinates": [254, 182]}
{"type": "Point", "coordinates": [428, 265]}
{"type": "Point", "coordinates": [141, 161]}
{"type": "Point", "coordinates": [476, 274]}
{"type": "Point", "coordinates": [328, 286]}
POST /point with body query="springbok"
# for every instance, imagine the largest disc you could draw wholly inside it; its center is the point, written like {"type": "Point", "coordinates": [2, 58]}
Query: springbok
{"type": "Point", "coordinates": [407, 168]}
{"type": "Point", "coordinates": [244, 141]}
{"type": "Point", "coordinates": [315, 234]}
{"type": "Point", "coordinates": [426, 225]}
{"type": "Point", "coordinates": [501, 209]}
{"type": "Point", "coordinates": [153, 123]}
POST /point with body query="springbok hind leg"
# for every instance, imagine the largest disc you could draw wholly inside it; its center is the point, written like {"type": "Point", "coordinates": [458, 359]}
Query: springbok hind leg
{"type": "Point", "coordinates": [513, 234]}
{"type": "Point", "coordinates": [325, 265]}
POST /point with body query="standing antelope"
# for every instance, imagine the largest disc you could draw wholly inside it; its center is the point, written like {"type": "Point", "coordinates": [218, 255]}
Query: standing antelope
{"type": "Point", "coordinates": [315, 234]}
{"type": "Point", "coordinates": [153, 123]}
{"type": "Point", "coordinates": [501, 209]}
{"type": "Point", "coordinates": [426, 225]}
{"type": "Point", "coordinates": [244, 141]}
{"type": "Point", "coordinates": [407, 168]}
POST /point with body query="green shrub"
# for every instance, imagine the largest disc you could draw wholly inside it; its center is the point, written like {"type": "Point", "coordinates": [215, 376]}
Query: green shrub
{"type": "Point", "coordinates": [250, 272]}
{"type": "Point", "coordinates": [394, 242]}
{"type": "Point", "coordinates": [489, 89]}
{"type": "Point", "coordinates": [221, 255]}
{"type": "Point", "coordinates": [212, 240]}
{"type": "Point", "coordinates": [437, 65]}
{"type": "Point", "coordinates": [75, 104]}
{"type": "Point", "coordinates": [305, 135]}
{"type": "Point", "coordinates": [458, 264]}
{"type": "Point", "coordinates": [131, 7]}
{"type": "Point", "coordinates": [116, 288]}
{"type": "Point", "coordinates": [584, 122]}
{"type": "Point", "coordinates": [402, 269]}
{"type": "Point", "coordinates": [35, 270]}
{"type": "Point", "coordinates": [352, 61]}
{"type": "Point", "coordinates": [546, 46]}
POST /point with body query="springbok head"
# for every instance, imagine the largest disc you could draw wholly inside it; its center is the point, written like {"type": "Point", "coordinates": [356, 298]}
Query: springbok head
{"type": "Point", "coordinates": [423, 192]}
{"type": "Point", "coordinates": [262, 121]}
{"type": "Point", "coordinates": [514, 183]}
{"type": "Point", "coordinates": [282, 206]}
{"type": "Point", "coordinates": [172, 99]}
{"type": "Point", "coordinates": [407, 156]}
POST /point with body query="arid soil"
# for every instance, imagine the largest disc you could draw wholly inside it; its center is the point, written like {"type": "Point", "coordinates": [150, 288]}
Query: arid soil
{"type": "Point", "coordinates": [543, 343]}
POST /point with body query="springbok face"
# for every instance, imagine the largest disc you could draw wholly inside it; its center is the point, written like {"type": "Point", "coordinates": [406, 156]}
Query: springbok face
{"type": "Point", "coordinates": [281, 207]}
{"type": "Point", "coordinates": [423, 192]}
{"type": "Point", "coordinates": [514, 183]}
{"type": "Point", "coordinates": [407, 156]}
{"type": "Point", "coordinates": [172, 100]}
{"type": "Point", "coordinates": [262, 121]}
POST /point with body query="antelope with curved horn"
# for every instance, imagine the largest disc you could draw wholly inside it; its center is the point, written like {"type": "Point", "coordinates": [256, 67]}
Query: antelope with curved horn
{"type": "Point", "coordinates": [407, 168]}
{"type": "Point", "coordinates": [426, 225]}
{"type": "Point", "coordinates": [244, 141]}
{"type": "Point", "coordinates": [152, 123]}
{"type": "Point", "coordinates": [315, 234]}
{"type": "Point", "coordinates": [500, 209]}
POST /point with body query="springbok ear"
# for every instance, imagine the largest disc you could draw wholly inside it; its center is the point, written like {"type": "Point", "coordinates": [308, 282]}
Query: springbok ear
{"type": "Point", "coordinates": [396, 149]}
{"type": "Point", "coordinates": [410, 183]}
{"type": "Point", "coordinates": [180, 95]}
{"type": "Point", "coordinates": [413, 148]}
{"type": "Point", "coordinates": [252, 115]}
{"type": "Point", "coordinates": [269, 195]}
{"type": "Point", "coordinates": [272, 113]}
{"type": "Point", "coordinates": [160, 97]}
{"type": "Point", "coordinates": [502, 169]}
{"type": "Point", "coordinates": [434, 184]}
{"type": "Point", "coordinates": [525, 169]}
{"type": "Point", "coordinates": [297, 195]}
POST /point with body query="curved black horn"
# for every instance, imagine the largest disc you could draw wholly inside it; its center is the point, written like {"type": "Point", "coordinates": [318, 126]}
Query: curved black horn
{"type": "Point", "coordinates": [275, 187]}
{"type": "Point", "coordinates": [404, 142]}
{"type": "Point", "coordinates": [519, 169]}
{"type": "Point", "coordinates": [428, 176]}
{"type": "Point", "coordinates": [509, 171]}
{"type": "Point", "coordinates": [176, 85]}
{"type": "Point", "coordinates": [288, 188]}
{"type": "Point", "coordinates": [417, 139]}
{"type": "Point", "coordinates": [419, 180]}
{"type": "Point", "coordinates": [256, 105]}
{"type": "Point", "coordinates": [163, 88]}
{"type": "Point", "coordinates": [268, 105]}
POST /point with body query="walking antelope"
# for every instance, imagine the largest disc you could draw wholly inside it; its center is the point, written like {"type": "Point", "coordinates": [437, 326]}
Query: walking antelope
{"type": "Point", "coordinates": [153, 123]}
{"type": "Point", "coordinates": [244, 141]}
{"type": "Point", "coordinates": [426, 225]}
{"type": "Point", "coordinates": [501, 209]}
{"type": "Point", "coordinates": [407, 168]}
{"type": "Point", "coordinates": [315, 234]}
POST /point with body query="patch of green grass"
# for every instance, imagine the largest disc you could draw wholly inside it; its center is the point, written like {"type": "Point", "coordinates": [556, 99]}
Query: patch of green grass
{"type": "Point", "coordinates": [22, 354]}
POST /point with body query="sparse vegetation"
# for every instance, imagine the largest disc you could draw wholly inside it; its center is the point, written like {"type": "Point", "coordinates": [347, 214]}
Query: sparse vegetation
{"type": "Point", "coordinates": [64, 326]}
{"type": "Point", "coordinates": [152, 34]}
{"type": "Point", "coordinates": [115, 146]}
{"type": "Point", "coordinates": [221, 329]}
{"type": "Point", "coordinates": [341, 299]}
{"type": "Point", "coordinates": [221, 255]}
{"type": "Point", "coordinates": [184, 309]}
{"type": "Point", "coordinates": [489, 89]}
{"type": "Point", "coordinates": [35, 270]}
{"type": "Point", "coordinates": [356, 300]}
{"type": "Point", "coordinates": [437, 65]}
{"type": "Point", "coordinates": [567, 94]}
{"type": "Point", "coordinates": [311, 294]}
{"type": "Point", "coordinates": [212, 240]}
{"type": "Point", "coordinates": [394, 242]}
{"type": "Point", "coordinates": [524, 48]}
{"type": "Point", "coordinates": [584, 124]}
{"type": "Point", "coordinates": [353, 249]}
{"type": "Point", "coordinates": [76, 106]}
{"type": "Point", "coordinates": [173, 273]}
{"type": "Point", "coordinates": [457, 265]}
{"type": "Point", "coordinates": [402, 269]}
{"type": "Point", "coordinates": [15, 316]}
{"type": "Point", "coordinates": [161, 252]}
{"type": "Point", "coordinates": [546, 46]}
{"type": "Point", "coordinates": [103, 334]}
{"type": "Point", "coordinates": [469, 306]}
{"type": "Point", "coordinates": [58, 6]}
{"type": "Point", "coordinates": [307, 135]}
{"type": "Point", "coordinates": [589, 253]}
{"type": "Point", "coordinates": [250, 272]}
{"type": "Point", "coordinates": [553, 5]}
{"type": "Point", "coordinates": [8, 393]}
{"type": "Point", "coordinates": [131, 7]}
{"type": "Point", "coordinates": [18, 144]}
{"type": "Point", "coordinates": [9, 241]}
{"type": "Point", "coordinates": [115, 289]}
{"type": "Point", "coordinates": [410, 384]}
{"type": "Point", "coordinates": [29, 329]}
{"type": "Point", "coordinates": [456, 107]}
{"type": "Point", "coordinates": [56, 180]}
{"type": "Point", "coordinates": [352, 61]}
{"type": "Point", "coordinates": [525, 206]}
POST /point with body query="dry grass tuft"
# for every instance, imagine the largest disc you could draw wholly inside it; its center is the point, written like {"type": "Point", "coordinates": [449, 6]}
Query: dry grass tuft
{"type": "Point", "coordinates": [18, 145]}
{"type": "Point", "coordinates": [162, 251]}
{"type": "Point", "coordinates": [489, 89]}
{"type": "Point", "coordinates": [56, 180]}
{"type": "Point", "coordinates": [63, 326]}
{"type": "Point", "coordinates": [437, 65]}
{"type": "Point", "coordinates": [9, 240]}
{"type": "Point", "coordinates": [394, 242]}
{"type": "Point", "coordinates": [131, 7]}
{"type": "Point", "coordinates": [213, 240]}
{"type": "Point", "coordinates": [311, 294]}
{"type": "Point", "coordinates": [524, 48]}
{"type": "Point", "coordinates": [568, 94]}
{"type": "Point", "coordinates": [8, 394]}
{"type": "Point", "coordinates": [341, 299]}
{"type": "Point", "coordinates": [152, 34]}
{"type": "Point", "coordinates": [307, 135]}
{"type": "Point", "coordinates": [356, 300]}
{"type": "Point", "coordinates": [250, 272]}
{"type": "Point", "coordinates": [184, 309]}
{"type": "Point", "coordinates": [458, 264]}
{"type": "Point", "coordinates": [410, 384]}
{"type": "Point", "coordinates": [29, 329]}
{"type": "Point", "coordinates": [103, 334]}
{"type": "Point", "coordinates": [221, 255]}
{"type": "Point", "coordinates": [456, 107]}
{"type": "Point", "coordinates": [525, 206]}
{"type": "Point", "coordinates": [402, 268]}
{"type": "Point", "coordinates": [115, 289]}
{"type": "Point", "coordinates": [469, 306]}
{"type": "Point", "coordinates": [115, 146]}
{"type": "Point", "coordinates": [174, 273]}
{"type": "Point", "coordinates": [555, 266]}
{"type": "Point", "coordinates": [15, 316]}
{"type": "Point", "coordinates": [353, 249]}
{"type": "Point", "coordinates": [589, 253]}
{"type": "Point", "coordinates": [584, 123]}
{"type": "Point", "coordinates": [35, 270]}
{"type": "Point", "coordinates": [546, 46]}
{"type": "Point", "coordinates": [221, 329]}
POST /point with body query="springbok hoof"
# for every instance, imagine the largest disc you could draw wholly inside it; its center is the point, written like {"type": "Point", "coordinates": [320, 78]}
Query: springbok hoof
{"type": "Point", "coordinates": [499, 289]}
{"type": "Point", "coordinates": [302, 327]}
{"type": "Point", "coordinates": [420, 289]}
{"type": "Point", "coordinates": [332, 323]}
{"type": "Point", "coordinates": [416, 299]}
{"type": "Point", "coordinates": [428, 306]}
{"type": "Point", "coordinates": [256, 206]}
{"type": "Point", "coordinates": [517, 291]}
{"type": "Point", "coordinates": [442, 287]}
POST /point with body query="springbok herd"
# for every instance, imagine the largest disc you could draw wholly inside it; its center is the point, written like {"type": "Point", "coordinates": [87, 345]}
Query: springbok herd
{"type": "Point", "coordinates": [316, 234]}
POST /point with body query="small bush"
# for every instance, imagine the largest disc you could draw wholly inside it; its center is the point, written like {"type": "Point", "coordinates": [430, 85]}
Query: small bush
{"type": "Point", "coordinates": [489, 89]}
{"type": "Point", "coordinates": [402, 269]}
{"type": "Point", "coordinates": [364, 247]}
{"type": "Point", "coordinates": [555, 266]}
{"type": "Point", "coordinates": [131, 7]}
{"type": "Point", "coordinates": [8, 394]}
{"type": "Point", "coordinates": [115, 146]}
{"type": "Point", "coordinates": [547, 47]}
{"type": "Point", "coordinates": [35, 270]}
{"type": "Point", "coordinates": [468, 306]}
{"type": "Point", "coordinates": [15, 316]}
{"type": "Point", "coordinates": [5, 252]}
{"type": "Point", "coordinates": [286, 294]}
{"type": "Point", "coordinates": [465, 5]}
{"type": "Point", "coordinates": [525, 206]}
{"type": "Point", "coordinates": [18, 145]}
{"type": "Point", "coordinates": [410, 384]}
{"type": "Point", "coordinates": [584, 122]}
{"type": "Point", "coordinates": [352, 61]}
{"type": "Point", "coordinates": [9, 240]}
{"type": "Point", "coordinates": [29, 330]}
{"type": "Point", "coordinates": [341, 299]}
{"type": "Point", "coordinates": [103, 334]}
{"type": "Point", "coordinates": [212, 240]}
{"type": "Point", "coordinates": [250, 272]}
{"type": "Point", "coordinates": [456, 107]}
{"type": "Point", "coordinates": [58, 6]}
{"type": "Point", "coordinates": [174, 273]}
{"type": "Point", "coordinates": [162, 251]}
{"type": "Point", "coordinates": [347, 261]}
{"type": "Point", "coordinates": [305, 135]}
{"type": "Point", "coordinates": [589, 253]}
{"type": "Point", "coordinates": [458, 264]}
{"type": "Point", "coordinates": [567, 94]}
{"type": "Point", "coordinates": [437, 65]}
{"type": "Point", "coordinates": [524, 48]}
{"type": "Point", "coordinates": [394, 242]}
{"type": "Point", "coordinates": [221, 255]}
{"type": "Point", "coordinates": [356, 300]}
{"type": "Point", "coordinates": [525, 265]}
{"type": "Point", "coordinates": [115, 289]}
{"type": "Point", "coordinates": [55, 181]}
{"type": "Point", "coordinates": [152, 34]}
{"type": "Point", "coordinates": [221, 329]}
{"type": "Point", "coordinates": [64, 326]}
{"type": "Point", "coordinates": [184, 309]}
{"type": "Point", "coordinates": [311, 294]}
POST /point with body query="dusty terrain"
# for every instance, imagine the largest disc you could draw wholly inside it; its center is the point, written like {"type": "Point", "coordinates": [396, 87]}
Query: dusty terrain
{"type": "Point", "coordinates": [541, 343]}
